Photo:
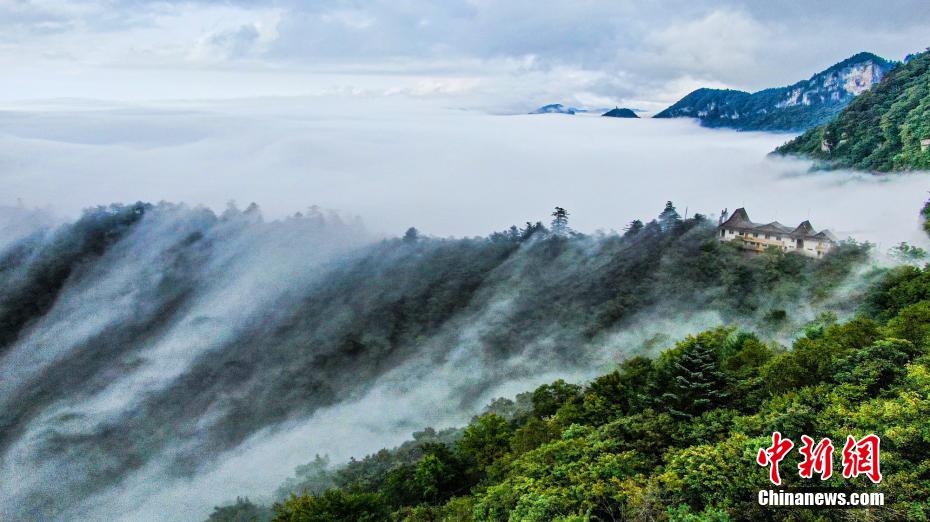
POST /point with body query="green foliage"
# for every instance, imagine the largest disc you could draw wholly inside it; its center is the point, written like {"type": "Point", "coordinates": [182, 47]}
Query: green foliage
{"type": "Point", "coordinates": [696, 383]}
{"type": "Point", "coordinates": [925, 215]}
{"type": "Point", "coordinates": [874, 368]}
{"type": "Point", "coordinates": [559, 225]}
{"type": "Point", "coordinates": [675, 437]}
{"type": "Point", "coordinates": [669, 216]}
{"type": "Point", "coordinates": [548, 398]}
{"type": "Point", "coordinates": [906, 253]}
{"type": "Point", "coordinates": [242, 511]}
{"type": "Point", "coordinates": [664, 438]}
{"type": "Point", "coordinates": [485, 441]}
{"type": "Point", "coordinates": [333, 506]}
{"type": "Point", "coordinates": [683, 513]}
{"type": "Point", "coordinates": [882, 130]}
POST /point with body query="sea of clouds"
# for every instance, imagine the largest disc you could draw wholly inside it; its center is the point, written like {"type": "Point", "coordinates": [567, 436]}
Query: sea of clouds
{"type": "Point", "coordinates": [398, 163]}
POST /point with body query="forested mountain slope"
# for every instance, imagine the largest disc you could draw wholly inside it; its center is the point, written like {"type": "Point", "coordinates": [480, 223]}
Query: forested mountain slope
{"type": "Point", "coordinates": [886, 129]}
{"type": "Point", "coordinates": [141, 343]}
{"type": "Point", "coordinates": [673, 437]}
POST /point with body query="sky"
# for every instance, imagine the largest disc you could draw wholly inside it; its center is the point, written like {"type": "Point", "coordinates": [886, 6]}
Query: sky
{"type": "Point", "coordinates": [496, 56]}
{"type": "Point", "coordinates": [360, 106]}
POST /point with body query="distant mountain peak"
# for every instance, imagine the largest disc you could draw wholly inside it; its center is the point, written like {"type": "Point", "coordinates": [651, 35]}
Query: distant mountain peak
{"type": "Point", "coordinates": [556, 108]}
{"type": "Point", "coordinates": [618, 112]}
{"type": "Point", "coordinates": [799, 106]}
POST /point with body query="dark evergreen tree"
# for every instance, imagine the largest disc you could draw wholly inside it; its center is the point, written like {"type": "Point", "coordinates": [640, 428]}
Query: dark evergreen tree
{"type": "Point", "coordinates": [530, 229]}
{"type": "Point", "coordinates": [697, 383]}
{"type": "Point", "coordinates": [242, 511]}
{"type": "Point", "coordinates": [669, 216]}
{"type": "Point", "coordinates": [560, 221]}
{"type": "Point", "coordinates": [411, 235]}
{"type": "Point", "coordinates": [633, 228]}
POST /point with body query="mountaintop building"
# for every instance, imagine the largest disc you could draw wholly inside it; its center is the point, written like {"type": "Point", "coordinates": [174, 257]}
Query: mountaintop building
{"type": "Point", "coordinates": [756, 237]}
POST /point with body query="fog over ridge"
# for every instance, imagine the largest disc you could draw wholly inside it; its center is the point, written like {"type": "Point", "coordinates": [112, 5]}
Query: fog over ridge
{"type": "Point", "coordinates": [177, 356]}
{"type": "Point", "coordinates": [214, 343]}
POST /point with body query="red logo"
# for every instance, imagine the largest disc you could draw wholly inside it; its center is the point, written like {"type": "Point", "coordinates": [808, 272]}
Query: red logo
{"type": "Point", "coordinates": [817, 459]}
{"type": "Point", "coordinates": [774, 454]}
{"type": "Point", "coordinates": [859, 457]}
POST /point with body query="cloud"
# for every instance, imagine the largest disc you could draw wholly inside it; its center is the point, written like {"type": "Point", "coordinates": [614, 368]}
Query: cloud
{"type": "Point", "coordinates": [400, 162]}
{"type": "Point", "coordinates": [636, 51]}
{"type": "Point", "coordinates": [713, 46]}
{"type": "Point", "coordinates": [351, 19]}
{"type": "Point", "coordinates": [239, 42]}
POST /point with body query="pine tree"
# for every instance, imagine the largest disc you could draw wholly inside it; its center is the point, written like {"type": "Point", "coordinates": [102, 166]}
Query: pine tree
{"type": "Point", "coordinates": [530, 229]}
{"type": "Point", "coordinates": [633, 228]}
{"type": "Point", "coordinates": [560, 221]}
{"type": "Point", "coordinates": [669, 216]}
{"type": "Point", "coordinates": [697, 383]}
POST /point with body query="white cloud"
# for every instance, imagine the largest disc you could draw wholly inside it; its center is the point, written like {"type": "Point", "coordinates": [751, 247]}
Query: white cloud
{"type": "Point", "coordinates": [716, 45]}
{"type": "Point", "coordinates": [600, 50]}
{"type": "Point", "coordinates": [353, 19]}
{"type": "Point", "coordinates": [239, 42]}
{"type": "Point", "coordinates": [399, 162]}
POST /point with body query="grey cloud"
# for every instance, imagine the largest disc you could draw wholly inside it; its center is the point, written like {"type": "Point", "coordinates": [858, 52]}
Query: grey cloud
{"type": "Point", "coordinates": [234, 43]}
{"type": "Point", "coordinates": [623, 49]}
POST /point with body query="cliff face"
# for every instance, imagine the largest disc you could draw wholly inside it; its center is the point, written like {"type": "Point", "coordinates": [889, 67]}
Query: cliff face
{"type": "Point", "coordinates": [800, 106]}
{"type": "Point", "coordinates": [885, 129]}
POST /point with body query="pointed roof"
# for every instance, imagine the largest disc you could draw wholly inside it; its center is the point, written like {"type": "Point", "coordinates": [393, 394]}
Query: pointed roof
{"type": "Point", "coordinates": [774, 228]}
{"type": "Point", "coordinates": [738, 219]}
{"type": "Point", "coordinates": [740, 214]}
{"type": "Point", "coordinates": [804, 229]}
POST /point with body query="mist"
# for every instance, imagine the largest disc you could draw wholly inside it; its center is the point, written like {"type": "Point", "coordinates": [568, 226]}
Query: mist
{"type": "Point", "coordinates": [397, 162]}
{"type": "Point", "coordinates": [188, 357]}
{"type": "Point", "coordinates": [192, 351]}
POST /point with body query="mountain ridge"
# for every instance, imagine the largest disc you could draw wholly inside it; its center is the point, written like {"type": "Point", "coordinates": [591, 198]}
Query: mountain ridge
{"type": "Point", "coordinates": [799, 106]}
{"type": "Point", "coordinates": [618, 112]}
{"type": "Point", "coordinates": [887, 129]}
{"type": "Point", "coordinates": [556, 108]}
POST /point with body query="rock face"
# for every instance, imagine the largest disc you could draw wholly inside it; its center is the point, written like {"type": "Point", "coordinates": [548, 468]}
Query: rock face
{"type": "Point", "coordinates": [886, 129]}
{"type": "Point", "coordinates": [805, 104]}
{"type": "Point", "coordinates": [617, 112]}
{"type": "Point", "coordinates": [555, 108]}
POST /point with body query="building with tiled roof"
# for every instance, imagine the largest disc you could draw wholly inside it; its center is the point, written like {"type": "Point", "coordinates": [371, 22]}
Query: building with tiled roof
{"type": "Point", "coordinates": [757, 237]}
